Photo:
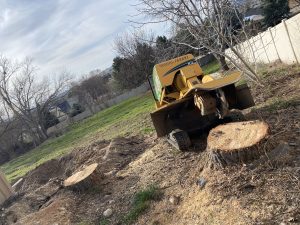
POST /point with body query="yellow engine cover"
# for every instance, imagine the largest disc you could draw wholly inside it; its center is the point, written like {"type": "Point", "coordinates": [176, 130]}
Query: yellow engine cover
{"type": "Point", "coordinates": [166, 71]}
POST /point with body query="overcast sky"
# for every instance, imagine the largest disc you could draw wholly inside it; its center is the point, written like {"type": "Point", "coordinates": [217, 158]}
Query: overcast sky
{"type": "Point", "coordinates": [76, 35]}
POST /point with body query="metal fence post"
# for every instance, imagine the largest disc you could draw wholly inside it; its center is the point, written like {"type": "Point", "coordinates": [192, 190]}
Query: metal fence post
{"type": "Point", "coordinates": [262, 41]}
{"type": "Point", "coordinates": [289, 37]}
{"type": "Point", "coordinates": [278, 56]}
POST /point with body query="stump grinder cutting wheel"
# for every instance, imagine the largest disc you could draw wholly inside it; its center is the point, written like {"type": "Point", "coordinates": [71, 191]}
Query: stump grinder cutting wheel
{"type": "Point", "coordinates": [187, 100]}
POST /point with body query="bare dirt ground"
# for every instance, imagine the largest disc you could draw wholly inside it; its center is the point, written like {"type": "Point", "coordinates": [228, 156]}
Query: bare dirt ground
{"type": "Point", "coordinates": [265, 191]}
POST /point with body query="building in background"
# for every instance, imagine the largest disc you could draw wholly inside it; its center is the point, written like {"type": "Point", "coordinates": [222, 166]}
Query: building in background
{"type": "Point", "coordinates": [254, 9]}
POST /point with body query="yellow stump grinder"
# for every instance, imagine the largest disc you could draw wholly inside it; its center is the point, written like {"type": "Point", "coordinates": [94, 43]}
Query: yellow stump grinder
{"type": "Point", "coordinates": [187, 100]}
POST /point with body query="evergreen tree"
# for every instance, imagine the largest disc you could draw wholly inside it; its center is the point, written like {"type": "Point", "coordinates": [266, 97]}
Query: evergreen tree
{"type": "Point", "coordinates": [50, 120]}
{"type": "Point", "coordinates": [130, 72]}
{"type": "Point", "coordinates": [274, 11]}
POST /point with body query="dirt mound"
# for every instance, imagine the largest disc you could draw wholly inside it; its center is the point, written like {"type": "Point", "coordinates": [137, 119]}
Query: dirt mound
{"type": "Point", "coordinates": [44, 196]}
{"type": "Point", "coordinates": [265, 191]}
{"type": "Point", "coordinates": [83, 156]}
{"type": "Point", "coordinates": [58, 212]}
{"type": "Point", "coordinates": [110, 155]}
{"type": "Point", "coordinates": [41, 175]}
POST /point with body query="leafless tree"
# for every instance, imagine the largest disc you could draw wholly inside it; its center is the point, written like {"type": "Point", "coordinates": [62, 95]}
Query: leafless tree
{"type": "Point", "coordinates": [27, 98]}
{"type": "Point", "coordinates": [5, 118]}
{"type": "Point", "coordinates": [90, 89]}
{"type": "Point", "coordinates": [6, 126]}
{"type": "Point", "coordinates": [127, 43]}
{"type": "Point", "coordinates": [214, 24]}
{"type": "Point", "coordinates": [13, 138]}
{"type": "Point", "coordinates": [84, 98]}
{"type": "Point", "coordinates": [135, 59]}
{"type": "Point", "coordinates": [168, 48]}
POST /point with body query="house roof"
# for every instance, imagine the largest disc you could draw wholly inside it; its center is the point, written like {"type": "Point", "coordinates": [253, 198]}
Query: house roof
{"type": "Point", "coordinates": [254, 18]}
{"type": "Point", "coordinates": [254, 12]}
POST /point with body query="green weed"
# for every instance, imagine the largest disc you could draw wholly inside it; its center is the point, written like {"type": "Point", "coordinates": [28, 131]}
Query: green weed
{"type": "Point", "coordinates": [83, 223]}
{"type": "Point", "coordinates": [212, 67]}
{"type": "Point", "coordinates": [278, 104]}
{"type": "Point", "coordinates": [104, 222]}
{"type": "Point", "coordinates": [141, 203]}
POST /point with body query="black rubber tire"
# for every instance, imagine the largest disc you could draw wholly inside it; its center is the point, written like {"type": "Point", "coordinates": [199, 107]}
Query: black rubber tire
{"type": "Point", "coordinates": [235, 116]}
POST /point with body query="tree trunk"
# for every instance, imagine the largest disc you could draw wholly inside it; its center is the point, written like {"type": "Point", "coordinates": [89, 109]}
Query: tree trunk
{"type": "Point", "coordinates": [85, 179]}
{"type": "Point", "coordinates": [90, 107]}
{"type": "Point", "coordinates": [236, 142]}
{"type": "Point", "coordinates": [40, 123]}
{"type": "Point", "coordinates": [41, 136]}
{"type": "Point", "coordinates": [222, 61]}
{"type": "Point", "coordinates": [43, 132]}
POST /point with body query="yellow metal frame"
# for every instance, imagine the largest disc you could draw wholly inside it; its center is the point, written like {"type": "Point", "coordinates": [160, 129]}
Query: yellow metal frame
{"type": "Point", "coordinates": [186, 75]}
{"type": "Point", "coordinates": [216, 84]}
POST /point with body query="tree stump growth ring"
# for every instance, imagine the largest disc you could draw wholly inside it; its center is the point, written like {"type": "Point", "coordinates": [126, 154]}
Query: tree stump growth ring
{"type": "Point", "coordinates": [236, 142]}
{"type": "Point", "coordinates": [84, 179]}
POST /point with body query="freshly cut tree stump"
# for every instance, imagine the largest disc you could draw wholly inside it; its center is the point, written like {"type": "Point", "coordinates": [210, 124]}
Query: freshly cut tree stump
{"type": "Point", "coordinates": [236, 142]}
{"type": "Point", "coordinates": [87, 178]}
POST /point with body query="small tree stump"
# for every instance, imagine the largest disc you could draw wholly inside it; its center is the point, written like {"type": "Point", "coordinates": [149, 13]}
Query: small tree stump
{"type": "Point", "coordinates": [87, 178]}
{"type": "Point", "coordinates": [236, 142]}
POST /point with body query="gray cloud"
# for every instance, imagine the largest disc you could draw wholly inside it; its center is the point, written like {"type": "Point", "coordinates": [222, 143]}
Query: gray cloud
{"type": "Point", "coordinates": [75, 35]}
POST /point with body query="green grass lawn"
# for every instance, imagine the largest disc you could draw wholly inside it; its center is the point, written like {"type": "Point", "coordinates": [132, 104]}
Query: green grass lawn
{"type": "Point", "coordinates": [211, 67]}
{"type": "Point", "coordinates": [128, 117]}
